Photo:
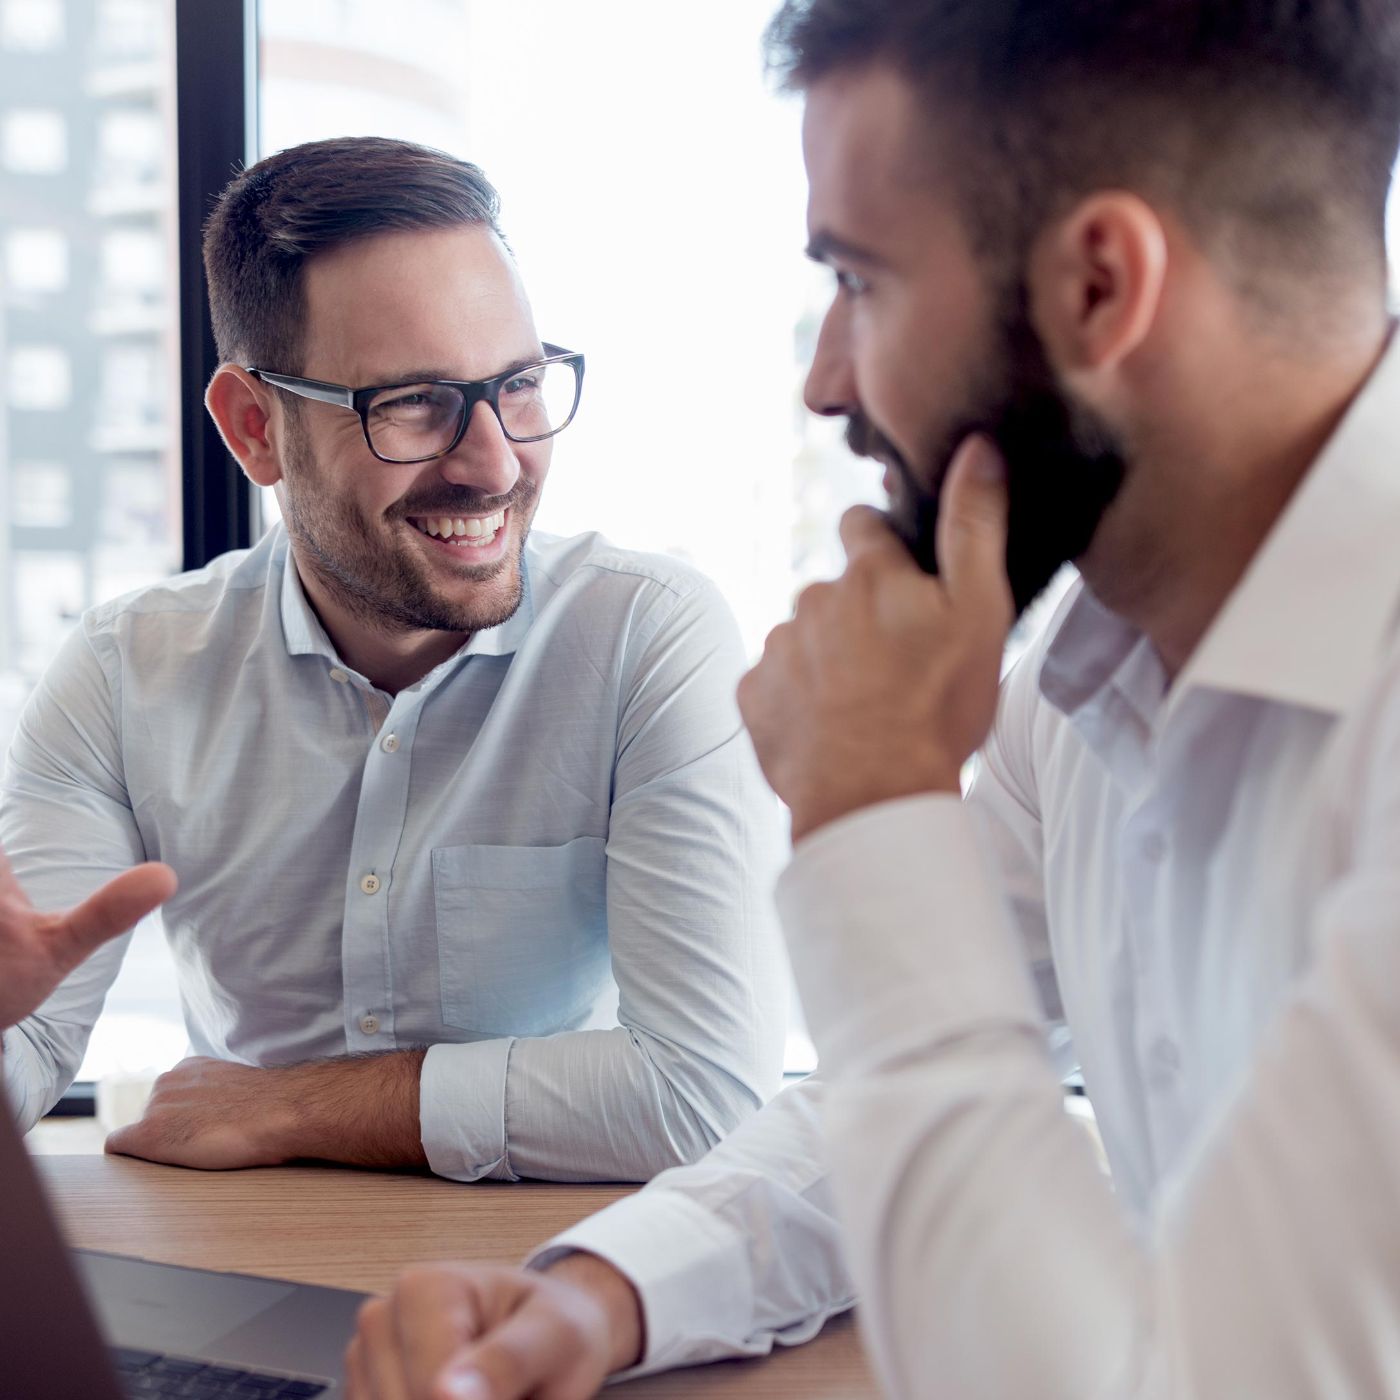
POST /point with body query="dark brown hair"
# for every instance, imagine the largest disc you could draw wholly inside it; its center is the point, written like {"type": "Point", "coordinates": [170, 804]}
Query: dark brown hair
{"type": "Point", "coordinates": [310, 199]}
{"type": "Point", "coordinates": [1266, 124]}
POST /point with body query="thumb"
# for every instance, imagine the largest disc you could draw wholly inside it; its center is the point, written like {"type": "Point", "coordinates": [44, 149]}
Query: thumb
{"type": "Point", "coordinates": [116, 907]}
{"type": "Point", "coordinates": [972, 523]}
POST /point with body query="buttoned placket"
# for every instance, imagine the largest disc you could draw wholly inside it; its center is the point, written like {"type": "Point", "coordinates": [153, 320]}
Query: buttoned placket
{"type": "Point", "coordinates": [1145, 850]}
{"type": "Point", "coordinates": [391, 724]}
{"type": "Point", "coordinates": [1121, 724]}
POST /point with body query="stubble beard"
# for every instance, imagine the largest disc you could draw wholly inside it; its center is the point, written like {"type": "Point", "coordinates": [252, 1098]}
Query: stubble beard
{"type": "Point", "coordinates": [375, 577]}
{"type": "Point", "coordinates": [1065, 465]}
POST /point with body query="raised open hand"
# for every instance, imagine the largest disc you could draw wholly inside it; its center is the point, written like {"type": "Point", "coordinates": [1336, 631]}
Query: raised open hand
{"type": "Point", "coordinates": [37, 951]}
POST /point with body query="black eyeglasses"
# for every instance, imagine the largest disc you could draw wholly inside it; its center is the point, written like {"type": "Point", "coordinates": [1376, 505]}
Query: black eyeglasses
{"type": "Point", "coordinates": [417, 422]}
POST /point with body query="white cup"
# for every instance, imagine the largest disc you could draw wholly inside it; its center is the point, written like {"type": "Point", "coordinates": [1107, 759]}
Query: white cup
{"type": "Point", "coordinates": [122, 1098]}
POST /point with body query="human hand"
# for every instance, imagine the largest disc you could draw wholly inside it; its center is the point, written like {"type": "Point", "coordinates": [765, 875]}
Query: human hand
{"type": "Point", "coordinates": [37, 951]}
{"type": "Point", "coordinates": [486, 1332]}
{"type": "Point", "coordinates": [885, 681]}
{"type": "Point", "coordinates": [213, 1115]}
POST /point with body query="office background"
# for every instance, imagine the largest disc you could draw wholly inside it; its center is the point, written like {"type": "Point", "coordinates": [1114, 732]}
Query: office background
{"type": "Point", "coordinates": [651, 188]}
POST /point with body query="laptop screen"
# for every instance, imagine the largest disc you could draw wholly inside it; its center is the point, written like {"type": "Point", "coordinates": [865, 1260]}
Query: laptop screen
{"type": "Point", "coordinates": [52, 1347]}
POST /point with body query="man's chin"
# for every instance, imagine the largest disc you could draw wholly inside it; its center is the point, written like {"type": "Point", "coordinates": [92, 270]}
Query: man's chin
{"type": "Point", "coordinates": [482, 596]}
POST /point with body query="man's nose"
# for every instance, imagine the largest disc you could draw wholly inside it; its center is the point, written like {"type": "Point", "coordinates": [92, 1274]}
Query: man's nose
{"type": "Point", "coordinates": [485, 458]}
{"type": "Point", "coordinates": [830, 389]}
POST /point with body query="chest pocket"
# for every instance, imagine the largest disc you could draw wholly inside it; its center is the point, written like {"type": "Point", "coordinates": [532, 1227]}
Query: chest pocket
{"type": "Point", "coordinates": [522, 935]}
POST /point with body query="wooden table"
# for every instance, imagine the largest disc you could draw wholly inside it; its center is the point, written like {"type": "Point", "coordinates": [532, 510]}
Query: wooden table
{"type": "Point", "coordinates": [352, 1229]}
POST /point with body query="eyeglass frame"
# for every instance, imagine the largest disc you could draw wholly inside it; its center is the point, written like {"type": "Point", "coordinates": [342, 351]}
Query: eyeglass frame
{"type": "Point", "coordinates": [474, 391]}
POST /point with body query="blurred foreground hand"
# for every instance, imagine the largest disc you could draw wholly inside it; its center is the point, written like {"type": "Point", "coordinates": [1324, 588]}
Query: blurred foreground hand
{"type": "Point", "coordinates": [37, 951]}
{"type": "Point", "coordinates": [487, 1332]}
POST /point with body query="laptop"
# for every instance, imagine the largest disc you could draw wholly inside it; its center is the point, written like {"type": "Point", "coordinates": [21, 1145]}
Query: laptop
{"type": "Point", "coordinates": [82, 1325]}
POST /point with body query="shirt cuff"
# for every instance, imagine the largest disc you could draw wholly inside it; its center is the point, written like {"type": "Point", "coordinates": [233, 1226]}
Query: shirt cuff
{"type": "Point", "coordinates": [689, 1268]}
{"type": "Point", "coordinates": [900, 938]}
{"type": "Point", "coordinates": [462, 1110]}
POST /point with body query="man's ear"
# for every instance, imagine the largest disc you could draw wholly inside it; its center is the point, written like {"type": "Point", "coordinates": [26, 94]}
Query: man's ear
{"type": "Point", "coordinates": [241, 408]}
{"type": "Point", "coordinates": [1095, 280]}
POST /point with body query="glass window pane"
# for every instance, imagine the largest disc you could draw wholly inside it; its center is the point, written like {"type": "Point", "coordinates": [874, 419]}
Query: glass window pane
{"type": "Point", "coordinates": [89, 418]}
{"type": "Point", "coordinates": [32, 26]}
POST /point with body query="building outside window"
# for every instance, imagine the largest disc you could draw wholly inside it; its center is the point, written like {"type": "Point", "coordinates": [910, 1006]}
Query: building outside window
{"type": "Point", "coordinates": [89, 414]}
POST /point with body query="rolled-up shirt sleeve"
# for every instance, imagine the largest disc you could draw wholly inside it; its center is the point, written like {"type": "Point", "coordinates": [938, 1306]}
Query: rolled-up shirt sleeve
{"type": "Point", "coordinates": [693, 845]}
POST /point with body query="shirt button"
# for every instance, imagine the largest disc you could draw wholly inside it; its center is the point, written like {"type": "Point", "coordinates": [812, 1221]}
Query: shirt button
{"type": "Point", "coordinates": [1166, 1057]}
{"type": "Point", "coordinates": [389, 743]}
{"type": "Point", "coordinates": [370, 884]}
{"type": "Point", "coordinates": [1154, 846]}
{"type": "Point", "coordinates": [339, 676]}
{"type": "Point", "coordinates": [369, 1023]}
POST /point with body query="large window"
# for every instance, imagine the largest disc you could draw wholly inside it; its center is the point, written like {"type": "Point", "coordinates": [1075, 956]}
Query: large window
{"type": "Point", "coordinates": [90, 413]}
{"type": "Point", "coordinates": [89, 491]}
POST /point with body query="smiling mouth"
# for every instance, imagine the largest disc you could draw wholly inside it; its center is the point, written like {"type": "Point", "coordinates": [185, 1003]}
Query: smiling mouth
{"type": "Point", "coordinates": [464, 531]}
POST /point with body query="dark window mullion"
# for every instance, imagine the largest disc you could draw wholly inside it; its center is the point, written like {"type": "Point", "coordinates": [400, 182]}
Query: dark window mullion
{"type": "Point", "coordinates": [216, 114]}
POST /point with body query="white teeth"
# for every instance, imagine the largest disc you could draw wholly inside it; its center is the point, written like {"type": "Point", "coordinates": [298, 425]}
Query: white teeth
{"type": "Point", "coordinates": [477, 530]}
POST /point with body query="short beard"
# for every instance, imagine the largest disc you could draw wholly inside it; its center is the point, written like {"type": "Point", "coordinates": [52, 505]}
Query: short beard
{"type": "Point", "coordinates": [1064, 464]}
{"type": "Point", "coordinates": [384, 589]}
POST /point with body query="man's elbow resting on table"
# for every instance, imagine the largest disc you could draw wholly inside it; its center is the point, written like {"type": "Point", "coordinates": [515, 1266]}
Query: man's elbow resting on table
{"type": "Point", "coordinates": [39, 1067]}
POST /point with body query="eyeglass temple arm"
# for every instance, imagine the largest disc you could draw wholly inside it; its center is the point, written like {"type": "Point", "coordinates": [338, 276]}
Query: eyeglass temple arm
{"type": "Point", "coordinates": [307, 388]}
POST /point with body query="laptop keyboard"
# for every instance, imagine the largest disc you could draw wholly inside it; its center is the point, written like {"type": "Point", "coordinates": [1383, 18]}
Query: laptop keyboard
{"type": "Point", "coordinates": [148, 1373]}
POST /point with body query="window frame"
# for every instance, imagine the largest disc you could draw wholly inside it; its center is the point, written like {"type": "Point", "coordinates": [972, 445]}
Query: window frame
{"type": "Point", "coordinates": [216, 100]}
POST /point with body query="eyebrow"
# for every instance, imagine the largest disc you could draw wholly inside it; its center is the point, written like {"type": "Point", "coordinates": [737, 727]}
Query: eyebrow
{"type": "Point", "coordinates": [823, 246]}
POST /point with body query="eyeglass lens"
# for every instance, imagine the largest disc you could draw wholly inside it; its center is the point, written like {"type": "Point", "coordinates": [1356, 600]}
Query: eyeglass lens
{"type": "Point", "coordinates": [414, 421]}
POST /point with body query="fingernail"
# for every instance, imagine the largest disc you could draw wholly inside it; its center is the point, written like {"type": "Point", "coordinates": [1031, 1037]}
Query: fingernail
{"type": "Point", "coordinates": [987, 463]}
{"type": "Point", "coordinates": [466, 1385]}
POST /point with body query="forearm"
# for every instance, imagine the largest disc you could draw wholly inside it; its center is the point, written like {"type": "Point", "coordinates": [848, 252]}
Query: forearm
{"type": "Point", "coordinates": [217, 1116]}
{"type": "Point", "coordinates": [362, 1111]}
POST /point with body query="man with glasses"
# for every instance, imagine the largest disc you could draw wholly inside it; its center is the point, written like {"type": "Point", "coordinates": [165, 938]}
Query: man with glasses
{"type": "Point", "coordinates": [472, 850]}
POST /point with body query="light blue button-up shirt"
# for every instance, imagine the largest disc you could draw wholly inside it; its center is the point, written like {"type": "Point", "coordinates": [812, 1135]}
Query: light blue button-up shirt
{"type": "Point", "coordinates": [549, 860]}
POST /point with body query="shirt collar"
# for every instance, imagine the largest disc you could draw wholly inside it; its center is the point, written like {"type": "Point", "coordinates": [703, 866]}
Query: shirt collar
{"type": "Point", "coordinates": [305, 636]}
{"type": "Point", "coordinates": [300, 626]}
{"type": "Point", "coordinates": [1308, 621]}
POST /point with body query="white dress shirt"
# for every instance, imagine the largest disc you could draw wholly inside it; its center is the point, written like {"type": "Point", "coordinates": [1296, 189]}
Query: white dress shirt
{"type": "Point", "coordinates": [1204, 881]}
{"type": "Point", "coordinates": [549, 859]}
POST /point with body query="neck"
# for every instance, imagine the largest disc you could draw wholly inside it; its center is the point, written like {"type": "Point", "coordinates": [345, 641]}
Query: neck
{"type": "Point", "coordinates": [1172, 555]}
{"type": "Point", "coordinates": [390, 657]}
